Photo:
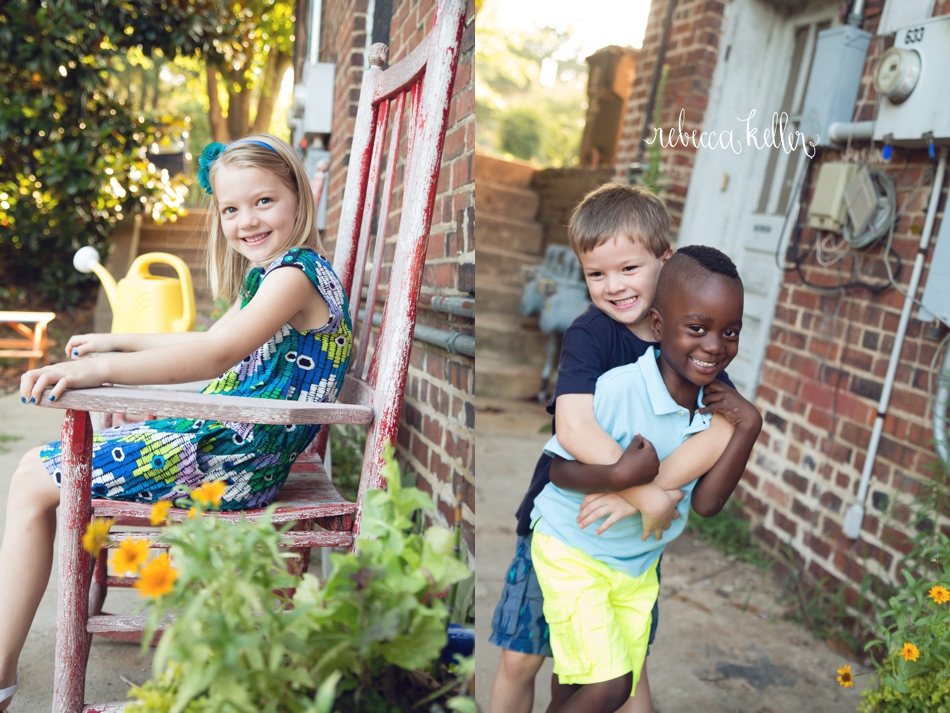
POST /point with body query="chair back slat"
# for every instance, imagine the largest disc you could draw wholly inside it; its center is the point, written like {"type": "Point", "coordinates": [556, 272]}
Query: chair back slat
{"type": "Point", "coordinates": [426, 74]}
{"type": "Point", "coordinates": [381, 233]}
{"type": "Point", "coordinates": [369, 202]}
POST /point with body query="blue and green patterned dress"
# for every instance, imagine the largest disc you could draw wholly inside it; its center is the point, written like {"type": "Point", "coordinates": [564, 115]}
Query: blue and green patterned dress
{"type": "Point", "coordinates": [164, 459]}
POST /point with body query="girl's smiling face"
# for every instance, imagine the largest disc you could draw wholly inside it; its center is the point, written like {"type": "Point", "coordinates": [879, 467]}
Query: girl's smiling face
{"type": "Point", "coordinates": [256, 209]}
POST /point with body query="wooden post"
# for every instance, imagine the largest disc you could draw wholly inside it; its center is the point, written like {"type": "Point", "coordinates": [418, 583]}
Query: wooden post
{"type": "Point", "coordinates": [75, 513]}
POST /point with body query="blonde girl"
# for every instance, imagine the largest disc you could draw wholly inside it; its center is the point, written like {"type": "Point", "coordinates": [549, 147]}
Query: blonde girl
{"type": "Point", "coordinates": [287, 336]}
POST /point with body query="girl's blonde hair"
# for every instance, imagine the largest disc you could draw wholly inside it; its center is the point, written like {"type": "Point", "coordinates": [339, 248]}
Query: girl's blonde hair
{"type": "Point", "coordinates": [226, 267]}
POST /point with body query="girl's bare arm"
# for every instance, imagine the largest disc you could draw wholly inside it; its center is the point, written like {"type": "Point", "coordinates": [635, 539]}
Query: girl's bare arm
{"type": "Point", "coordinates": [282, 295]}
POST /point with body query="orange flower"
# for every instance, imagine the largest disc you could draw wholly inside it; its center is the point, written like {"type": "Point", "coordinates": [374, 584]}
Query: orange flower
{"type": "Point", "coordinates": [97, 536]}
{"type": "Point", "coordinates": [910, 652]}
{"type": "Point", "coordinates": [159, 512]}
{"type": "Point", "coordinates": [130, 556]}
{"type": "Point", "coordinates": [209, 493]}
{"type": "Point", "coordinates": [845, 677]}
{"type": "Point", "coordinates": [939, 594]}
{"type": "Point", "coordinates": [157, 578]}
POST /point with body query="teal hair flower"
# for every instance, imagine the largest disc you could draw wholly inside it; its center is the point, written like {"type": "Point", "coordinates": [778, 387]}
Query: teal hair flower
{"type": "Point", "coordinates": [208, 157]}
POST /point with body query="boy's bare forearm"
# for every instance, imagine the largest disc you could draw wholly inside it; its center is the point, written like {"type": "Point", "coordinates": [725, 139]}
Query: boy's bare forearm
{"type": "Point", "coordinates": [594, 478]}
{"type": "Point", "coordinates": [696, 455]}
{"type": "Point", "coordinates": [714, 488]}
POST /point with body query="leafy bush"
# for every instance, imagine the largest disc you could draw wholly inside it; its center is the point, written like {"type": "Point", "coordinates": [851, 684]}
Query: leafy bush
{"type": "Point", "coordinates": [361, 641]}
{"type": "Point", "coordinates": [72, 156]}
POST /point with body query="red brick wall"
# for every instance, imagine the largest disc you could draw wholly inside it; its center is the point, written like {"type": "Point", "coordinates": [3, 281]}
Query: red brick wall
{"type": "Point", "coordinates": [828, 353]}
{"type": "Point", "coordinates": [436, 437]}
{"type": "Point", "coordinates": [821, 381]}
{"type": "Point", "coordinates": [692, 50]}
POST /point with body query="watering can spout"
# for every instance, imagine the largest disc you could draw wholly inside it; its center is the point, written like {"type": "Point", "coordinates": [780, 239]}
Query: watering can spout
{"type": "Point", "coordinates": [87, 260]}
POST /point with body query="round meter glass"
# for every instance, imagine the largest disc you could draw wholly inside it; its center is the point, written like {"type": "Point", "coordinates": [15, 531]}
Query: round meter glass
{"type": "Point", "coordinates": [896, 74]}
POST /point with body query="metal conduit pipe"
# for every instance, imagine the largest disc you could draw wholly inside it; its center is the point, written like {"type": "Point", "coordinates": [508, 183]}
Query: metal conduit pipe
{"type": "Point", "coordinates": [841, 131]}
{"type": "Point", "coordinates": [460, 306]}
{"type": "Point", "coordinates": [854, 516]}
{"type": "Point", "coordinates": [453, 342]}
{"type": "Point", "coordinates": [941, 403]}
{"type": "Point", "coordinates": [447, 304]}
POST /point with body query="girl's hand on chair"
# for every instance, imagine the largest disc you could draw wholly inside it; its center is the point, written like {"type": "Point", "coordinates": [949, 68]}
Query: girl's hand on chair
{"type": "Point", "coordinates": [83, 374]}
{"type": "Point", "coordinates": [79, 345]}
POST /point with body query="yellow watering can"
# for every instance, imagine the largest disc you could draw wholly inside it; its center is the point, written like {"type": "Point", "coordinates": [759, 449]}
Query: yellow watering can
{"type": "Point", "coordinates": [142, 302]}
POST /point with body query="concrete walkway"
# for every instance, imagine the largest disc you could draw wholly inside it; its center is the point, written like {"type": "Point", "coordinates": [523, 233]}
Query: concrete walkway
{"type": "Point", "coordinates": [721, 645]}
{"type": "Point", "coordinates": [111, 664]}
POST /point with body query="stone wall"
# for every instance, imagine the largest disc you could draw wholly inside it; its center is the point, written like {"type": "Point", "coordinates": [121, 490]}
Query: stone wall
{"type": "Point", "coordinates": [436, 436]}
{"type": "Point", "coordinates": [559, 191]}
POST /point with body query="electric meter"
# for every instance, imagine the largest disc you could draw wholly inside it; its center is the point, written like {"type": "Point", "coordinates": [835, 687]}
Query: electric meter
{"type": "Point", "coordinates": [896, 74]}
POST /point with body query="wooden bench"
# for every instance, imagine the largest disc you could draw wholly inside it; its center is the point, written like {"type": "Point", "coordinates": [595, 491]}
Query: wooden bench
{"type": "Point", "coordinates": [415, 91]}
{"type": "Point", "coordinates": [33, 344]}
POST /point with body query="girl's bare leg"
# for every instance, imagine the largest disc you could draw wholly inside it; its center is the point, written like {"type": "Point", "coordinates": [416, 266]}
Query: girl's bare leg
{"type": "Point", "coordinates": [26, 557]}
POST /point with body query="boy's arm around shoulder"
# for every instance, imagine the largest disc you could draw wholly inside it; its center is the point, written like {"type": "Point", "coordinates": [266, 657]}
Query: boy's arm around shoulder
{"type": "Point", "coordinates": [714, 488]}
{"type": "Point", "coordinates": [600, 464]}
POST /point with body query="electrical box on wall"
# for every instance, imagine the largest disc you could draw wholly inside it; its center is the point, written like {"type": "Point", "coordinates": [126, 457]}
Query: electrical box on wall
{"type": "Point", "coordinates": [834, 81]}
{"type": "Point", "coordinates": [312, 109]}
{"type": "Point", "coordinates": [936, 298]}
{"type": "Point", "coordinates": [913, 79]}
{"type": "Point", "coordinates": [827, 208]}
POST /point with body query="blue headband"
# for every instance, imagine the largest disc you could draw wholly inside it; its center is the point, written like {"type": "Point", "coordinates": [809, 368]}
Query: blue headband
{"type": "Point", "coordinates": [211, 153]}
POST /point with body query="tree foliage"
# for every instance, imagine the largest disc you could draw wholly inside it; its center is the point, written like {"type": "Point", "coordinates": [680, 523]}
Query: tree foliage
{"type": "Point", "coordinates": [515, 116]}
{"type": "Point", "coordinates": [72, 156]}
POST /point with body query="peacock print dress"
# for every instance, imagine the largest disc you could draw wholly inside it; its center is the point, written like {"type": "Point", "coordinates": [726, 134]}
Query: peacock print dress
{"type": "Point", "coordinates": [164, 459]}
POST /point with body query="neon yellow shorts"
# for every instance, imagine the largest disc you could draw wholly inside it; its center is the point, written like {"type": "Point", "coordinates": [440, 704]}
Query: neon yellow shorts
{"type": "Point", "coordinates": [599, 618]}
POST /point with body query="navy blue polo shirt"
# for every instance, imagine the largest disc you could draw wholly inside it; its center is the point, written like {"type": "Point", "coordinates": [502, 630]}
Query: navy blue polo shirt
{"type": "Point", "coordinates": [593, 345]}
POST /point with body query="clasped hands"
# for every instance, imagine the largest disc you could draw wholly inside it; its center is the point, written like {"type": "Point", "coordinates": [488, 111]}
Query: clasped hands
{"type": "Point", "coordinates": [656, 506]}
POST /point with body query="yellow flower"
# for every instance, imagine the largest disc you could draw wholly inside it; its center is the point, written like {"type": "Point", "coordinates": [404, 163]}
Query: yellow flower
{"type": "Point", "coordinates": [130, 556]}
{"type": "Point", "coordinates": [97, 536]}
{"type": "Point", "coordinates": [192, 512]}
{"type": "Point", "coordinates": [157, 577]}
{"type": "Point", "coordinates": [845, 677]}
{"type": "Point", "coordinates": [939, 594]}
{"type": "Point", "coordinates": [209, 493]}
{"type": "Point", "coordinates": [159, 512]}
{"type": "Point", "coordinates": [910, 652]}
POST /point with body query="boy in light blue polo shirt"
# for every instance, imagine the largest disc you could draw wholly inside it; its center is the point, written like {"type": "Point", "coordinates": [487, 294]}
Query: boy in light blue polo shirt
{"type": "Point", "coordinates": [599, 589]}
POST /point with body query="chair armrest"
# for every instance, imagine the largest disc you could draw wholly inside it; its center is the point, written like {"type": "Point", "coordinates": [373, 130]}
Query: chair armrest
{"type": "Point", "coordinates": [178, 404]}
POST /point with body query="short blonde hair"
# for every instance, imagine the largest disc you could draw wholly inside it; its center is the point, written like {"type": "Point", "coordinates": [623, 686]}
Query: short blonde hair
{"type": "Point", "coordinates": [228, 268]}
{"type": "Point", "coordinates": [618, 209]}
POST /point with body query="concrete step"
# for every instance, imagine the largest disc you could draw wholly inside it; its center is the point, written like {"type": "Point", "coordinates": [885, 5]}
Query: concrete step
{"type": "Point", "coordinates": [503, 266]}
{"type": "Point", "coordinates": [503, 231]}
{"type": "Point", "coordinates": [497, 297]}
{"type": "Point", "coordinates": [513, 201]}
{"type": "Point", "coordinates": [516, 338]}
{"type": "Point", "coordinates": [498, 378]}
{"type": "Point", "coordinates": [511, 173]}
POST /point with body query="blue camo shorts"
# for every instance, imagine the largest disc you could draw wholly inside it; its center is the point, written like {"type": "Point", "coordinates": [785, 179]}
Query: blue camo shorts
{"type": "Point", "coordinates": [519, 624]}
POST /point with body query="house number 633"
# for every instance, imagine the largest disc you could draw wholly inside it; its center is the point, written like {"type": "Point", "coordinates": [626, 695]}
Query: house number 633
{"type": "Point", "coordinates": [914, 34]}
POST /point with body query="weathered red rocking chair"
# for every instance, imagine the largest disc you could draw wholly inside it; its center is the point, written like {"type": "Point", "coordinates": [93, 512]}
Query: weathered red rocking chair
{"type": "Point", "coordinates": [374, 396]}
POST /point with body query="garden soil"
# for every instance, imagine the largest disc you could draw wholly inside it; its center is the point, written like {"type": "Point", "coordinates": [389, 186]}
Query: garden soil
{"type": "Point", "coordinates": [722, 645]}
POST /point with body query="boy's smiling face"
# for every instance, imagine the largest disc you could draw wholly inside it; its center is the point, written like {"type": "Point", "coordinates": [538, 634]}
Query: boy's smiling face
{"type": "Point", "coordinates": [621, 277]}
{"type": "Point", "coordinates": [697, 323]}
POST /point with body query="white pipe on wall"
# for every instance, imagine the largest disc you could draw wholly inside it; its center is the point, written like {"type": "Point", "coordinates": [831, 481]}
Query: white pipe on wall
{"type": "Point", "coordinates": [854, 516]}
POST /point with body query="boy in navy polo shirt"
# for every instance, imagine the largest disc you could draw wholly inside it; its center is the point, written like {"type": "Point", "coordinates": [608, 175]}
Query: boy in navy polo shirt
{"type": "Point", "coordinates": [620, 236]}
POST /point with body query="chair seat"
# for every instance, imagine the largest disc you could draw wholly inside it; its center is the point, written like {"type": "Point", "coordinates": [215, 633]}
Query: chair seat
{"type": "Point", "coordinates": [308, 494]}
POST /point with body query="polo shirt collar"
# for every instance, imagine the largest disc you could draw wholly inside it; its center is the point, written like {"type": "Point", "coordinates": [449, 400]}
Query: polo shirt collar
{"type": "Point", "coordinates": [660, 398]}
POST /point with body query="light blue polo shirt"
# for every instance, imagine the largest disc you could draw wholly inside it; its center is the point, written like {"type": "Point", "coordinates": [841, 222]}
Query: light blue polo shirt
{"type": "Point", "coordinates": [628, 400]}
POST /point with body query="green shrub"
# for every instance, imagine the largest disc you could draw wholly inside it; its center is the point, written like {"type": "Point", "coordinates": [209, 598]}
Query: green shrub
{"type": "Point", "coordinates": [363, 640]}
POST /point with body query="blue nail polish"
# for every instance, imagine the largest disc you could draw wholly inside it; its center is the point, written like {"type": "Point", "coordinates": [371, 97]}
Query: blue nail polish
{"type": "Point", "coordinates": [23, 399]}
{"type": "Point", "coordinates": [75, 352]}
{"type": "Point", "coordinates": [52, 398]}
{"type": "Point", "coordinates": [32, 400]}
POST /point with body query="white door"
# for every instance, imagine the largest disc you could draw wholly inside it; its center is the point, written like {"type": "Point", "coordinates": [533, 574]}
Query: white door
{"type": "Point", "coordinates": [738, 203]}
